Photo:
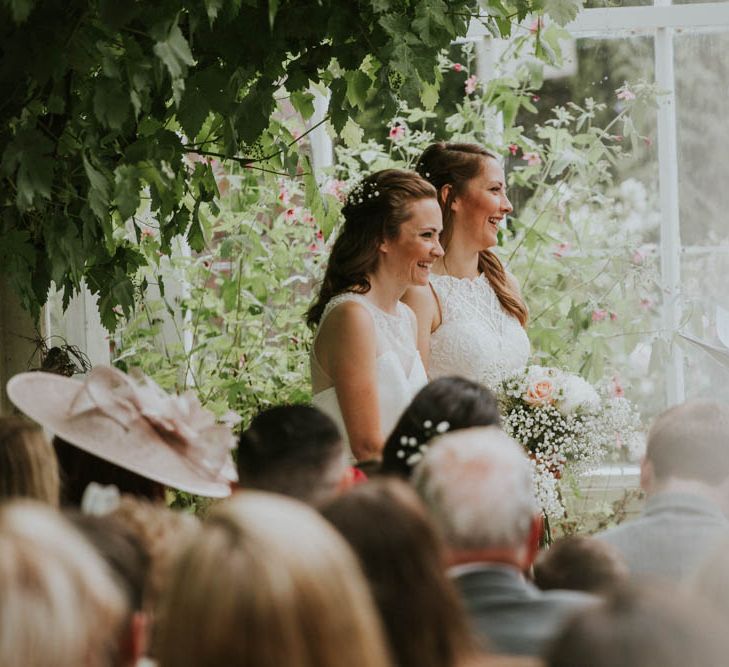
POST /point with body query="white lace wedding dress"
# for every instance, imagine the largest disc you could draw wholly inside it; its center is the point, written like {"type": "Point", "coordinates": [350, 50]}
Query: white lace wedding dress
{"type": "Point", "coordinates": [476, 339]}
{"type": "Point", "coordinates": [400, 371]}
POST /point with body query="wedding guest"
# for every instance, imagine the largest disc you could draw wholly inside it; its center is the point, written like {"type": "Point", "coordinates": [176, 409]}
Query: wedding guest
{"type": "Point", "coordinates": [471, 315]}
{"type": "Point", "coordinates": [59, 604]}
{"type": "Point", "coordinates": [164, 533]}
{"type": "Point", "coordinates": [128, 562]}
{"type": "Point", "coordinates": [269, 583]}
{"type": "Point", "coordinates": [477, 484]}
{"type": "Point", "coordinates": [113, 429]}
{"type": "Point", "coordinates": [711, 581]}
{"type": "Point", "coordinates": [402, 558]}
{"type": "Point", "coordinates": [295, 450]}
{"type": "Point", "coordinates": [445, 404]}
{"type": "Point", "coordinates": [365, 365]}
{"type": "Point", "coordinates": [642, 626]}
{"type": "Point", "coordinates": [580, 563]}
{"type": "Point", "coordinates": [685, 475]}
{"type": "Point", "coordinates": [28, 465]}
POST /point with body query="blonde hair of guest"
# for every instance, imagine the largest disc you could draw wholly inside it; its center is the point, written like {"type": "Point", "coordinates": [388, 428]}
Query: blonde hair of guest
{"type": "Point", "coordinates": [269, 583]}
{"type": "Point", "coordinates": [59, 604]}
{"type": "Point", "coordinates": [28, 464]}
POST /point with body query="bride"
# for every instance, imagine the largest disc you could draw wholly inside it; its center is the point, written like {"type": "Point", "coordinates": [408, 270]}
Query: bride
{"type": "Point", "coordinates": [365, 366]}
{"type": "Point", "coordinates": [471, 315]}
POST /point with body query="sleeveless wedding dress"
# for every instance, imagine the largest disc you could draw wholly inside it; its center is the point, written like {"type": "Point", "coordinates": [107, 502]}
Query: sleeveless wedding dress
{"type": "Point", "coordinates": [477, 339]}
{"type": "Point", "coordinates": [400, 371]}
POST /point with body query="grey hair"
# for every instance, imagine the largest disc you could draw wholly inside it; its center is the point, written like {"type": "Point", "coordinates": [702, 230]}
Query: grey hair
{"type": "Point", "coordinates": [477, 484]}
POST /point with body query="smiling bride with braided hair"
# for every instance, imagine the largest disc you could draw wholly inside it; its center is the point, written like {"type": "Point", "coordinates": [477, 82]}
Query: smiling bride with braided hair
{"type": "Point", "coordinates": [471, 315]}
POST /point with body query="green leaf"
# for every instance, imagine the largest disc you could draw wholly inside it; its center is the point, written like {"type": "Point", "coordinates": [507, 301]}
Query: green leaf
{"type": "Point", "coordinates": [99, 189]}
{"type": "Point", "coordinates": [358, 85]}
{"type": "Point", "coordinates": [563, 11]}
{"type": "Point", "coordinates": [272, 11]}
{"type": "Point", "coordinates": [429, 95]}
{"type": "Point", "coordinates": [126, 190]}
{"type": "Point", "coordinates": [30, 154]}
{"type": "Point", "coordinates": [175, 53]}
{"type": "Point", "coordinates": [352, 134]}
{"type": "Point", "coordinates": [20, 9]}
{"type": "Point", "coordinates": [303, 102]}
{"type": "Point", "coordinates": [111, 102]}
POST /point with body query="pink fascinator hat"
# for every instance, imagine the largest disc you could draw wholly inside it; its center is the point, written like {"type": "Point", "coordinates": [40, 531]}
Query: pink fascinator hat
{"type": "Point", "coordinates": [134, 424]}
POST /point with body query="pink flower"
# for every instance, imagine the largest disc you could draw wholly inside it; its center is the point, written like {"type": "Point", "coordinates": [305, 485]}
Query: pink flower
{"type": "Point", "coordinates": [146, 232]}
{"type": "Point", "coordinates": [625, 94]}
{"type": "Point", "coordinates": [646, 304]}
{"type": "Point", "coordinates": [336, 188]}
{"type": "Point", "coordinates": [616, 389]}
{"type": "Point", "coordinates": [457, 67]}
{"type": "Point", "coordinates": [118, 310]}
{"type": "Point", "coordinates": [397, 132]}
{"type": "Point", "coordinates": [598, 315]}
{"type": "Point", "coordinates": [536, 98]}
{"type": "Point", "coordinates": [536, 25]}
{"type": "Point", "coordinates": [290, 214]}
{"type": "Point", "coordinates": [283, 193]}
{"type": "Point", "coordinates": [308, 218]}
{"type": "Point", "coordinates": [638, 257]}
{"type": "Point", "coordinates": [561, 249]}
{"type": "Point", "coordinates": [613, 317]}
{"type": "Point", "coordinates": [532, 159]}
{"type": "Point", "coordinates": [470, 84]}
{"type": "Point", "coordinates": [513, 149]}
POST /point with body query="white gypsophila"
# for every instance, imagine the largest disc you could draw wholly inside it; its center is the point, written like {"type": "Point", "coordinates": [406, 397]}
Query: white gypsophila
{"type": "Point", "coordinates": [569, 427]}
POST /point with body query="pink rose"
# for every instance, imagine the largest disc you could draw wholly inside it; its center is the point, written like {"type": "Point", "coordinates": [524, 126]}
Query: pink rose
{"type": "Point", "coordinates": [457, 67]}
{"type": "Point", "coordinates": [540, 393]}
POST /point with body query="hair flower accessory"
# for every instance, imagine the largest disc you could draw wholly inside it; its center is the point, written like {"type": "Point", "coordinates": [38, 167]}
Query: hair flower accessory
{"type": "Point", "coordinates": [412, 450]}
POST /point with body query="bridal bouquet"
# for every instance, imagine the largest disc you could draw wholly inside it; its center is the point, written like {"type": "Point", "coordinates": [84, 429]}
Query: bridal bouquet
{"type": "Point", "coordinates": [564, 423]}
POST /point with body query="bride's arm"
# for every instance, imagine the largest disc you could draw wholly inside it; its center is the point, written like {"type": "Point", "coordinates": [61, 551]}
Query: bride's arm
{"type": "Point", "coordinates": [423, 303]}
{"type": "Point", "coordinates": [346, 348]}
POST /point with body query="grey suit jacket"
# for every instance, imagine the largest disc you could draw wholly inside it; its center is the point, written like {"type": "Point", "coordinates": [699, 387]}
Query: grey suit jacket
{"type": "Point", "coordinates": [510, 614]}
{"type": "Point", "coordinates": [671, 538]}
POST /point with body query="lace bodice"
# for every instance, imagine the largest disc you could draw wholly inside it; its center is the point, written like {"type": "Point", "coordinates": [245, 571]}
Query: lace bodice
{"type": "Point", "coordinates": [400, 371]}
{"type": "Point", "coordinates": [476, 339]}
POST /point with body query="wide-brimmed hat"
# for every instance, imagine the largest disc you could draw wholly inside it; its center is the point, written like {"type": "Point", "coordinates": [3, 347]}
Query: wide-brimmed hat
{"type": "Point", "coordinates": [133, 423]}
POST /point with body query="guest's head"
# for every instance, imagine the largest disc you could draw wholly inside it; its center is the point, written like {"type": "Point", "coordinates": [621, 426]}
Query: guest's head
{"type": "Point", "coordinates": [688, 450]}
{"type": "Point", "coordinates": [268, 582]}
{"type": "Point", "coordinates": [403, 560]}
{"type": "Point", "coordinates": [128, 561]}
{"type": "Point", "coordinates": [580, 563]}
{"type": "Point", "coordinates": [28, 466]}
{"type": "Point", "coordinates": [386, 220]}
{"type": "Point", "coordinates": [79, 468]}
{"type": "Point", "coordinates": [449, 403]}
{"type": "Point", "coordinates": [294, 450]}
{"type": "Point", "coordinates": [59, 604]}
{"type": "Point", "coordinates": [163, 534]}
{"type": "Point", "coordinates": [477, 485]}
{"type": "Point", "coordinates": [642, 626]}
{"type": "Point", "coordinates": [472, 195]}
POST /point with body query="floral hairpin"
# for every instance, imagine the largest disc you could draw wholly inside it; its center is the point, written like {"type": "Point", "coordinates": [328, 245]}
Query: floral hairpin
{"type": "Point", "coordinates": [412, 450]}
{"type": "Point", "coordinates": [362, 191]}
